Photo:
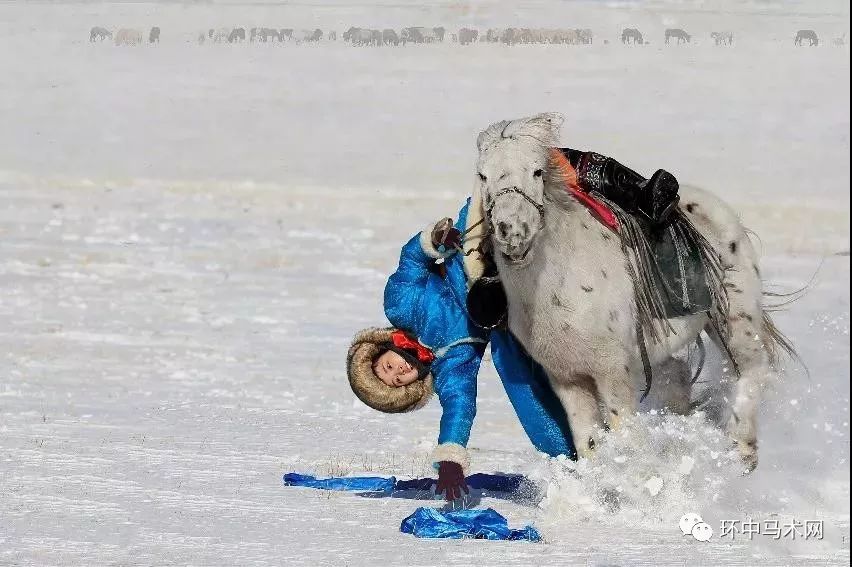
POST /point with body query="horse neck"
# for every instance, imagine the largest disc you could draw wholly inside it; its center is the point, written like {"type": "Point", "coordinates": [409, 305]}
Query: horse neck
{"type": "Point", "coordinates": [559, 201]}
{"type": "Point", "coordinates": [555, 233]}
{"type": "Point", "coordinates": [559, 216]}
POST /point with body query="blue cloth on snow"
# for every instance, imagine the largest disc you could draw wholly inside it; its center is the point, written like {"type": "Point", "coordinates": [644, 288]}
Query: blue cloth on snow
{"type": "Point", "coordinates": [458, 524]}
{"type": "Point", "coordinates": [434, 310]}
{"type": "Point", "coordinates": [353, 483]}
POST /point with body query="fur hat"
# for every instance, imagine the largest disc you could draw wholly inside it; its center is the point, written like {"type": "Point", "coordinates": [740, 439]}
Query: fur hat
{"type": "Point", "coordinates": [369, 388]}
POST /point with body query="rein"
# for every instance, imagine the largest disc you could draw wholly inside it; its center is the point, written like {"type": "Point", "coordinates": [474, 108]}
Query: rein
{"type": "Point", "coordinates": [483, 239]}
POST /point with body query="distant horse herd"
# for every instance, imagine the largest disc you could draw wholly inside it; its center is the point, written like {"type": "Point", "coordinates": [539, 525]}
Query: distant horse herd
{"type": "Point", "coordinates": [365, 37]}
{"type": "Point", "coordinates": [262, 35]}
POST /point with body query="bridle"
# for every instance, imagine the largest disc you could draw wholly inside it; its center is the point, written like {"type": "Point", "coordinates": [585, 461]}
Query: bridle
{"type": "Point", "coordinates": [538, 206]}
{"type": "Point", "coordinates": [483, 246]}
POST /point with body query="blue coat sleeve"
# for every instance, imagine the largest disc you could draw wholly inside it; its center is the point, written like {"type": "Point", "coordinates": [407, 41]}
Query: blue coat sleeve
{"type": "Point", "coordinates": [455, 384]}
{"type": "Point", "coordinates": [407, 285]}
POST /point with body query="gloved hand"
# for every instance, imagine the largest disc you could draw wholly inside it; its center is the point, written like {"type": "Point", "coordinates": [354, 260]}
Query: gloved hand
{"type": "Point", "coordinates": [451, 480]}
{"type": "Point", "coordinates": [446, 237]}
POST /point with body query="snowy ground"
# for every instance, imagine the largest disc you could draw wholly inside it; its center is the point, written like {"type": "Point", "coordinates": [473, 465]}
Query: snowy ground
{"type": "Point", "coordinates": [189, 236]}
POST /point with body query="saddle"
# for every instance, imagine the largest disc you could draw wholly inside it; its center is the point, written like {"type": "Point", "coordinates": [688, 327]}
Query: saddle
{"type": "Point", "coordinates": [649, 222]}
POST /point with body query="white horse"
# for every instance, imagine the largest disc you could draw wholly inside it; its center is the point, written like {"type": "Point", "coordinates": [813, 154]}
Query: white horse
{"type": "Point", "coordinates": [219, 36]}
{"type": "Point", "coordinates": [572, 301]}
{"type": "Point", "coordinates": [127, 36]}
{"type": "Point", "coordinates": [723, 38]}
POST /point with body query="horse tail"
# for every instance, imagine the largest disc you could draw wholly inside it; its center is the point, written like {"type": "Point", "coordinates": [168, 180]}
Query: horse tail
{"type": "Point", "coordinates": [775, 341]}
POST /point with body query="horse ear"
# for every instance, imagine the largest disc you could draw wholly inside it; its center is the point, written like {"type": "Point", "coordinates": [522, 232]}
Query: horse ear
{"type": "Point", "coordinates": [552, 121]}
{"type": "Point", "coordinates": [490, 134]}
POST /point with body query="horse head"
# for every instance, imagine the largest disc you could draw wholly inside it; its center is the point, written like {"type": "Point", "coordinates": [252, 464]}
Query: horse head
{"type": "Point", "coordinates": [512, 169]}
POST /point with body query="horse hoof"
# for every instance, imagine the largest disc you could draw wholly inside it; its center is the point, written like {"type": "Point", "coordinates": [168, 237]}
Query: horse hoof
{"type": "Point", "coordinates": [748, 455]}
{"type": "Point", "coordinates": [614, 422]}
{"type": "Point", "coordinates": [587, 451]}
{"type": "Point", "coordinates": [749, 463]}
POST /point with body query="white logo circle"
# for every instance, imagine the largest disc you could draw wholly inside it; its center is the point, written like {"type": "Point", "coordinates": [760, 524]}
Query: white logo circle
{"type": "Point", "coordinates": [702, 531]}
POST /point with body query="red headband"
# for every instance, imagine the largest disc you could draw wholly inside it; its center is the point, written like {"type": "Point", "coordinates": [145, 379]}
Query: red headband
{"type": "Point", "coordinates": [402, 340]}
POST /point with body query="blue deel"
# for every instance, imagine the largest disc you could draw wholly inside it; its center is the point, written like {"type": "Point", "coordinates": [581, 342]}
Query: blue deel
{"type": "Point", "coordinates": [434, 309]}
{"type": "Point", "coordinates": [353, 483]}
{"type": "Point", "coordinates": [459, 524]}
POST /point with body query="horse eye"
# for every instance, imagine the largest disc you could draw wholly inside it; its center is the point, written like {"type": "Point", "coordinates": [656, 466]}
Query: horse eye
{"type": "Point", "coordinates": [538, 173]}
{"type": "Point", "coordinates": [482, 177]}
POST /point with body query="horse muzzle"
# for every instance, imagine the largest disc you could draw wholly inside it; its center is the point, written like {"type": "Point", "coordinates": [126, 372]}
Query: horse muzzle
{"type": "Point", "coordinates": [515, 254]}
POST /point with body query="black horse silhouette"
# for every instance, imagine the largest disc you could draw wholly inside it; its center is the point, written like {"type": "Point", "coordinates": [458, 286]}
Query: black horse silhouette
{"type": "Point", "coordinates": [99, 34]}
{"type": "Point", "coordinates": [809, 35]}
{"type": "Point", "coordinates": [678, 34]}
{"type": "Point", "coordinates": [237, 35]}
{"type": "Point", "coordinates": [632, 34]}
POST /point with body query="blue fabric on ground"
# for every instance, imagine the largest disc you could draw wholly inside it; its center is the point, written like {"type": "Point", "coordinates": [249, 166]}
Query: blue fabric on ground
{"type": "Point", "coordinates": [353, 483]}
{"type": "Point", "coordinates": [490, 482]}
{"type": "Point", "coordinates": [458, 524]}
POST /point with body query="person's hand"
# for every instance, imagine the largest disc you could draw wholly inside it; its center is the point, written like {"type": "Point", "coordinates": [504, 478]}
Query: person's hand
{"type": "Point", "coordinates": [446, 237]}
{"type": "Point", "coordinates": [451, 480]}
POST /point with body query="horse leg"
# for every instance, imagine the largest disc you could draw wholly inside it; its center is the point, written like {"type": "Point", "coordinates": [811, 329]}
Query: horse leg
{"type": "Point", "coordinates": [616, 390]}
{"type": "Point", "coordinates": [748, 344]}
{"type": "Point", "coordinates": [578, 397]}
{"type": "Point", "coordinates": [754, 372]}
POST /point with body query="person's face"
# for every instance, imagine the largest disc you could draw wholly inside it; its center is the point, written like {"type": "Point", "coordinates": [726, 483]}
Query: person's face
{"type": "Point", "coordinates": [394, 370]}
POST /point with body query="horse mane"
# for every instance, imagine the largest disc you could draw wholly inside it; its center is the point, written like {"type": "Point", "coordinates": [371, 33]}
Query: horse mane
{"type": "Point", "coordinates": [560, 179]}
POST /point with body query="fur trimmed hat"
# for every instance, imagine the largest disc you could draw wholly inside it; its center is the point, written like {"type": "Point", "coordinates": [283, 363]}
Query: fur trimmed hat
{"type": "Point", "coordinates": [369, 388]}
